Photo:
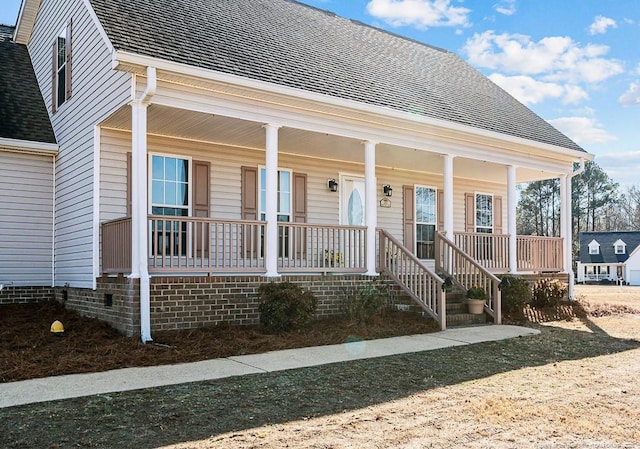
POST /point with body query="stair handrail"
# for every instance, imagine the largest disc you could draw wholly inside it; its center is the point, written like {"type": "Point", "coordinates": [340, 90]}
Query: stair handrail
{"type": "Point", "coordinates": [475, 275]}
{"type": "Point", "coordinates": [422, 284]}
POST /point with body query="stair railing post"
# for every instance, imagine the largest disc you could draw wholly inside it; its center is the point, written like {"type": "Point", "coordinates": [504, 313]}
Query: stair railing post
{"type": "Point", "coordinates": [383, 250]}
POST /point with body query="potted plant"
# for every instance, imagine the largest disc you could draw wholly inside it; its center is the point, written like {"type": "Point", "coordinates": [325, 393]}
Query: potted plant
{"type": "Point", "coordinates": [475, 299]}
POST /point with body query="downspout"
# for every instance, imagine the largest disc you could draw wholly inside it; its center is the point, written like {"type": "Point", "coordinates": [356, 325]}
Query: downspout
{"type": "Point", "coordinates": [569, 231]}
{"type": "Point", "coordinates": [53, 224]}
{"type": "Point", "coordinates": [143, 269]}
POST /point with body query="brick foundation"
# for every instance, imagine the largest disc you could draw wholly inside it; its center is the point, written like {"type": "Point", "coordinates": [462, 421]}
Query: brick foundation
{"type": "Point", "coordinates": [192, 302]}
{"type": "Point", "coordinates": [20, 295]}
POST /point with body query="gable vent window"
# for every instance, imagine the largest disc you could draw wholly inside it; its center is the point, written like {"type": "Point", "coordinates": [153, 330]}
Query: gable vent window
{"type": "Point", "coordinates": [61, 68]}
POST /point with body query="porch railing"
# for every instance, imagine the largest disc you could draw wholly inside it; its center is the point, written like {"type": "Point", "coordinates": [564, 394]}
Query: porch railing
{"type": "Point", "coordinates": [189, 244]}
{"type": "Point", "coordinates": [466, 273]}
{"type": "Point", "coordinates": [539, 253]}
{"type": "Point", "coordinates": [305, 247]}
{"type": "Point", "coordinates": [533, 253]}
{"type": "Point", "coordinates": [491, 250]}
{"type": "Point", "coordinates": [417, 280]}
{"type": "Point", "coordinates": [116, 246]}
{"type": "Point", "coordinates": [203, 245]}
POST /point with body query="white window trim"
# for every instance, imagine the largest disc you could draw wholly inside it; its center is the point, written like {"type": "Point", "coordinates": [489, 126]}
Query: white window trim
{"type": "Point", "coordinates": [594, 248]}
{"type": "Point", "coordinates": [150, 181]}
{"type": "Point", "coordinates": [261, 207]}
{"type": "Point", "coordinates": [620, 244]}
{"type": "Point", "coordinates": [475, 211]}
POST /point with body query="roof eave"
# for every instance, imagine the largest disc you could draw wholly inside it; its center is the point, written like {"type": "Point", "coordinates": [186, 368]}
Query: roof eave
{"type": "Point", "coordinates": [28, 146]}
{"type": "Point", "coordinates": [26, 20]}
{"type": "Point", "coordinates": [136, 63]}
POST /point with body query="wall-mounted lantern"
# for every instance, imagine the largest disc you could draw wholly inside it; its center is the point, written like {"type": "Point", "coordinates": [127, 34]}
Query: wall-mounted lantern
{"type": "Point", "coordinates": [388, 191]}
{"type": "Point", "coordinates": [332, 184]}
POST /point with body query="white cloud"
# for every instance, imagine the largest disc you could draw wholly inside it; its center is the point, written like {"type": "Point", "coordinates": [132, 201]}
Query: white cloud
{"type": "Point", "coordinates": [506, 7]}
{"type": "Point", "coordinates": [631, 96]}
{"type": "Point", "coordinates": [601, 24]}
{"type": "Point", "coordinates": [419, 13]}
{"type": "Point", "coordinates": [583, 130]}
{"type": "Point", "coordinates": [531, 91]}
{"type": "Point", "coordinates": [555, 58]}
{"type": "Point", "coordinates": [617, 164]}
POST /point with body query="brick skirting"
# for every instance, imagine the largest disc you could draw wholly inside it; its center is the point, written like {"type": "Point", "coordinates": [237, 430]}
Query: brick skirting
{"type": "Point", "coordinates": [190, 302]}
{"type": "Point", "coordinates": [20, 295]}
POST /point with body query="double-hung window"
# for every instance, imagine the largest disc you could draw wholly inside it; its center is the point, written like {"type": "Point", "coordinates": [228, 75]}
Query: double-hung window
{"type": "Point", "coordinates": [61, 70]}
{"type": "Point", "coordinates": [170, 193]}
{"type": "Point", "coordinates": [426, 219]}
{"type": "Point", "coordinates": [284, 189]}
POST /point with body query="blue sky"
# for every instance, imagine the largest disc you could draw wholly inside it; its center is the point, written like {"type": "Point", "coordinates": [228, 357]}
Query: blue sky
{"type": "Point", "coordinates": [576, 63]}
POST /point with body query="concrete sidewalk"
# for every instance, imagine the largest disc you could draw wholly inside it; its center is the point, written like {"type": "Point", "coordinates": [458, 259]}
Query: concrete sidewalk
{"type": "Point", "coordinates": [77, 385]}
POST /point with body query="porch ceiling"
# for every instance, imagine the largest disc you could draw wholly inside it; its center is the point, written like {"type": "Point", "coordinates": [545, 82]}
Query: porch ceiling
{"type": "Point", "coordinates": [192, 125]}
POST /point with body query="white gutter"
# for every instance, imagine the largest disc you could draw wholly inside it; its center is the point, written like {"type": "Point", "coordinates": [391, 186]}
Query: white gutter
{"type": "Point", "coordinates": [28, 146]}
{"type": "Point", "coordinates": [568, 245]}
{"type": "Point", "coordinates": [140, 224]}
{"type": "Point", "coordinates": [132, 59]}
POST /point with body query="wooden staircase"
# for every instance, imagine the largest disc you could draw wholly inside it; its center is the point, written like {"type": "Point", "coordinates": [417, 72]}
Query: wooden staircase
{"type": "Point", "coordinates": [457, 314]}
{"type": "Point", "coordinates": [425, 286]}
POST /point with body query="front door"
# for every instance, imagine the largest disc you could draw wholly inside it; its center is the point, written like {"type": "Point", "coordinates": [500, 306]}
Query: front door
{"type": "Point", "coordinates": [351, 214]}
{"type": "Point", "coordinates": [352, 200]}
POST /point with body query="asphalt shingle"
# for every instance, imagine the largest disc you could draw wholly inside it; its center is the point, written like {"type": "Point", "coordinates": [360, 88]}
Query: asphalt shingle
{"type": "Point", "coordinates": [23, 115]}
{"type": "Point", "coordinates": [607, 251]}
{"type": "Point", "coordinates": [295, 45]}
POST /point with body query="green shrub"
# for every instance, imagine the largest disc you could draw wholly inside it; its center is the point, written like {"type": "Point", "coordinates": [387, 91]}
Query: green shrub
{"type": "Point", "coordinates": [363, 303]}
{"type": "Point", "coordinates": [516, 293]}
{"type": "Point", "coordinates": [284, 306]}
{"type": "Point", "coordinates": [548, 292]}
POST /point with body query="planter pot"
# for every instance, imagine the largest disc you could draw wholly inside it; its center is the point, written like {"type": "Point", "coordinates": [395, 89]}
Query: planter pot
{"type": "Point", "coordinates": [476, 306]}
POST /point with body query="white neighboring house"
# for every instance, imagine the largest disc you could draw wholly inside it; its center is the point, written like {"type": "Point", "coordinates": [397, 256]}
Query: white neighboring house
{"type": "Point", "coordinates": [614, 256]}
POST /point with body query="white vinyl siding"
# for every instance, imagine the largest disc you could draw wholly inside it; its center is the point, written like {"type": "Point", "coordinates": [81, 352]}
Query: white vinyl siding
{"type": "Point", "coordinates": [226, 163]}
{"type": "Point", "coordinates": [97, 91]}
{"type": "Point", "coordinates": [26, 219]}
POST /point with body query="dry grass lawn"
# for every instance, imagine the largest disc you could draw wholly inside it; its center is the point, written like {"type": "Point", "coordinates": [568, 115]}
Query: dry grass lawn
{"type": "Point", "coordinates": [623, 295]}
{"type": "Point", "coordinates": [573, 386]}
{"type": "Point", "coordinates": [592, 402]}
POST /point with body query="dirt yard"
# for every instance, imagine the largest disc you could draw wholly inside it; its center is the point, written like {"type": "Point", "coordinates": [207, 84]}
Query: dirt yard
{"type": "Point", "coordinates": [29, 350]}
{"type": "Point", "coordinates": [573, 386]}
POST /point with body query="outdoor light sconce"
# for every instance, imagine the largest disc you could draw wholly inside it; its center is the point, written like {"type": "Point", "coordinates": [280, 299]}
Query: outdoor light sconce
{"type": "Point", "coordinates": [332, 184]}
{"type": "Point", "coordinates": [387, 190]}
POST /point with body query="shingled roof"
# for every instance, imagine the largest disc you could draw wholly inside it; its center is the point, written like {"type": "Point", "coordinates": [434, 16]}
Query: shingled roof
{"type": "Point", "coordinates": [607, 251]}
{"type": "Point", "coordinates": [295, 45]}
{"type": "Point", "coordinates": [23, 115]}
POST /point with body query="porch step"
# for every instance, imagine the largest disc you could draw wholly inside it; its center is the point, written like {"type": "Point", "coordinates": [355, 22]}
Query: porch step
{"type": "Point", "coordinates": [457, 315]}
{"type": "Point", "coordinates": [465, 319]}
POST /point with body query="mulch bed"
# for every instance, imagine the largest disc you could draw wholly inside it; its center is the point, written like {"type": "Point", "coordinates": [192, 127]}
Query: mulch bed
{"type": "Point", "coordinates": [29, 350]}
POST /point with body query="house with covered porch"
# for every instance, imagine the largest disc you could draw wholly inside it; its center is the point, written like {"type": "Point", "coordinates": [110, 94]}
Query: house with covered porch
{"type": "Point", "coordinates": [206, 147]}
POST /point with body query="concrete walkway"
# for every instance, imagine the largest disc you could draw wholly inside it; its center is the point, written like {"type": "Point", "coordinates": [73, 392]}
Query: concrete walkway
{"type": "Point", "coordinates": [77, 385]}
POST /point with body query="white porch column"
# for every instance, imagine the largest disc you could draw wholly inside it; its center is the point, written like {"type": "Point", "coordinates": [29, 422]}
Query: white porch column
{"type": "Point", "coordinates": [371, 200]}
{"type": "Point", "coordinates": [271, 201]}
{"type": "Point", "coordinates": [512, 202]}
{"type": "Point", "coordinates": [139, 195]}
{"type": "Point", "coordinates": [448, 195]}
{"type": "Point", "coordinates": [565, 229]}
{"type": "Point", "coordinates": [139, 249]}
